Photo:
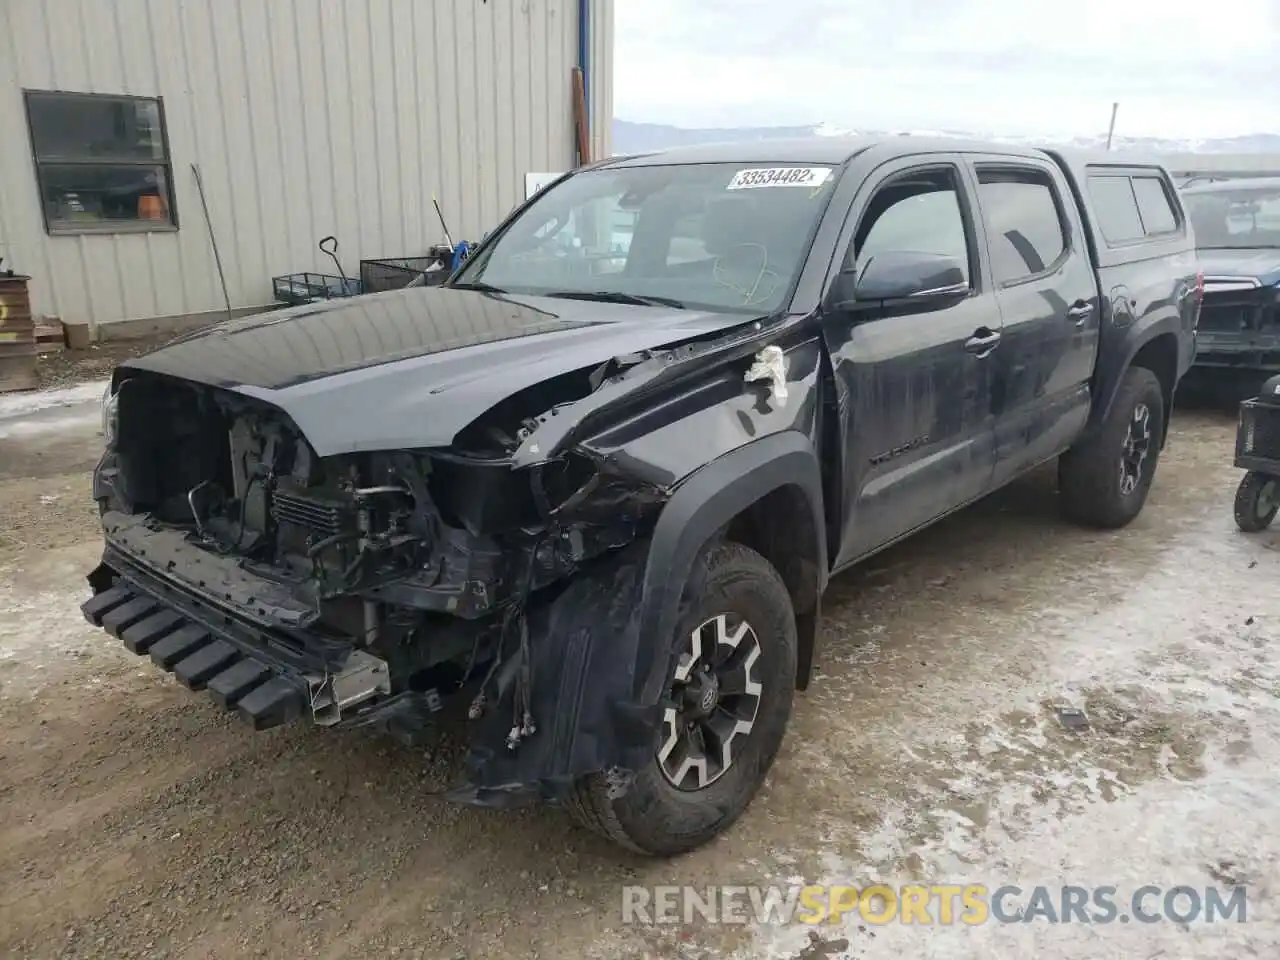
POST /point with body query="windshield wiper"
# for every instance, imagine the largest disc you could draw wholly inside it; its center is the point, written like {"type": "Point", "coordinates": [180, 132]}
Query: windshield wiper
{"type": "Point", "coordinates": [478, 285]}
{"type": "Point", "coordinates": [615, 296]}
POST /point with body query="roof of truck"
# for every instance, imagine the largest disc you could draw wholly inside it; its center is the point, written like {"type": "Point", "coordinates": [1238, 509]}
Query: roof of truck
{"type": "Point", "coordinates": [815, 150]}
{"type": "Point", "coordinates": [1235, 184]}
{"type": "Point", "coordinates": [835, 150]}
{"type": "Point", "coordinates": [1092, 157]}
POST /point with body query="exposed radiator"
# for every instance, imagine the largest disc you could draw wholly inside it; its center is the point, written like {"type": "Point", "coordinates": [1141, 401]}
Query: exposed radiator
{"type": "Point", "coordinates": [324, 516]}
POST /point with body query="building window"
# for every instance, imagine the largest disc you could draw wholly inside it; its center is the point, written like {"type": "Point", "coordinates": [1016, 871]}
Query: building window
{"type": "Point", "coordinates": [102, 162]}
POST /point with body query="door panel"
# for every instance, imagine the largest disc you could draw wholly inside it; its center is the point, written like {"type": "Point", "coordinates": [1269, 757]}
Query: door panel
{"type": "Point", "coordinates": [920, 437]}
{"type": "Point", "coordinates": [914, 391]}
{"type": "Point", "coordinates": [1046, 289]}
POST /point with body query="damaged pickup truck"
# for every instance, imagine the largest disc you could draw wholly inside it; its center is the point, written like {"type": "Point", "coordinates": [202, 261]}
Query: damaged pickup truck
{"type": "Point", "coordinates": [588, 493]}
{"type": "Point", "coordinates": [1237, 230]}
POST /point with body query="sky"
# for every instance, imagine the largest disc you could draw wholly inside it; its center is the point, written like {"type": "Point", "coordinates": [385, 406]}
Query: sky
{"type": "Point", "coordinates": [1208, 68]}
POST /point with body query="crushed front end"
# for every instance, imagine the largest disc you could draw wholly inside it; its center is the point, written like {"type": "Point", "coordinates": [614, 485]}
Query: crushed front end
{"type": "Point", "coordinates": [368, 589]}
{"type": "Point", "coordinates": [1239, 328]}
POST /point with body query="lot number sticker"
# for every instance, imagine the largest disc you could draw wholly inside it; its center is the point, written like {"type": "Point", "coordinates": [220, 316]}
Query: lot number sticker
{"type": "Point", "coordinates": [779, 177]}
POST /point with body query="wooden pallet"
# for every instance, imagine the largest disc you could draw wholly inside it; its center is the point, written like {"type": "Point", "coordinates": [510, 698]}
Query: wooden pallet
{"type": "Point", "coordinates": [17, 335]}
{"type": "Point", "coordinates": [50, 337]}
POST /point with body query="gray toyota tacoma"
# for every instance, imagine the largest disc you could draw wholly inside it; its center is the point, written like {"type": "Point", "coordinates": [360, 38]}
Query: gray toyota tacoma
{"type": "Point", "coordinates": [586, 495]}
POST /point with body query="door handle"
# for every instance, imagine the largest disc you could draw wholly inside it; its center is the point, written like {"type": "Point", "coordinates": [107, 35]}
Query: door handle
{"type": "Point", "coordinates": [1080, 311]}
{"type": "Point", "coordinates": [982, 342]}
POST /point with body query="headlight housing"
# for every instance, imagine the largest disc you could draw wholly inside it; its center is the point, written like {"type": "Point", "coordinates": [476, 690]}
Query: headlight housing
{"type": "Point", "coordinates": [110, 415]}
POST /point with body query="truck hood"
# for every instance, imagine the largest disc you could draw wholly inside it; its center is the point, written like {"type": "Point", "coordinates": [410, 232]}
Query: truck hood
{"type": "Point", "coordinates": [1262, 265]}
{"type": "Point", "coordinates": [411, 368]}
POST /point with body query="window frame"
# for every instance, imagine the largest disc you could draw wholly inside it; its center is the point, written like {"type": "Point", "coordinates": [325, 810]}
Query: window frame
{"type": "Point", "coordinates": [1164, 192]}
{"type": "Point", "coordinates": [923, 166]}
{"type": "Point", "coordinates": [54, 228]}
{"type": "Point", "coordinates": [1130, 172]}
{"type": "Point", "coordinates": [1046, 174]}
{"type": "Point", "coordinates": [1128, 179]}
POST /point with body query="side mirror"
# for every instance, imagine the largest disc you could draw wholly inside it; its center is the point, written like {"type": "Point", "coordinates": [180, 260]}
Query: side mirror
{"type": "Point", "coordinates": [917, 277]}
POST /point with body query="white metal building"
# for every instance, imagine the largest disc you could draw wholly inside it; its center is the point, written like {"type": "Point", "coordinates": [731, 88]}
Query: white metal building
{"type": "Point", "coordinates": [307, 118]}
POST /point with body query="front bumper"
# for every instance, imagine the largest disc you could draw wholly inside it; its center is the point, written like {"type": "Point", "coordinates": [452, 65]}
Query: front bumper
{"type": "Point", "coordinates": [220, 629]}
{"type": "Point", "coordinates": [1250, 350]}
{"type": "Point", "coordinates": [263, 693]}
{"type": "Point", "coordinates": [585, 664]}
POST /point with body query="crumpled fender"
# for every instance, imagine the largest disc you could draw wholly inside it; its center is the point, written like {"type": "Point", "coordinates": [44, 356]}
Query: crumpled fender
{"type": "Point", "coordinates": [602, 651]}
{"type": "Point", "coordinates": [584, 650]}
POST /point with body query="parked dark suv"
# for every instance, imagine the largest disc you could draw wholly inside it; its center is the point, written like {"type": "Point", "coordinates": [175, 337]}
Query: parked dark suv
{"type": "Point", "coordinates": [1237, 230]}
{"type": "Point", "coordinates": [591, 490]}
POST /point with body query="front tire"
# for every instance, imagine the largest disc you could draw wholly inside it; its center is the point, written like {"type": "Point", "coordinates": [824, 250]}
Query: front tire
{"type": "Point", "coordinates": [1103, 482]}
{"type": "Point", "coordinates": [1257, 500]}
{"type": "Point", "coordinates": [725, 712]}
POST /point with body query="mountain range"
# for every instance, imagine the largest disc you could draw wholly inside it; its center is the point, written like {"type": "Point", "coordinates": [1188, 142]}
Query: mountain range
{"type": "Point", "coordinates": [631, 137]}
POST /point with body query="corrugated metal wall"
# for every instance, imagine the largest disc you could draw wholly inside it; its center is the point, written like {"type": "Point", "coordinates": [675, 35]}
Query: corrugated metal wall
{"type": "Point", "coordinates": [308, 118]}
{"type": "Point", "coordinates": [600, 65]}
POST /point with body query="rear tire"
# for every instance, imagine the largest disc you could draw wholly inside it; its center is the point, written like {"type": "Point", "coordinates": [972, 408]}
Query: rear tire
{"type": "Point", "coordinates": [1103, 481]}
{"type": "Point", "coordinates": [1257, 500]}
{"type": "Point", "coordinates": [657, 817]}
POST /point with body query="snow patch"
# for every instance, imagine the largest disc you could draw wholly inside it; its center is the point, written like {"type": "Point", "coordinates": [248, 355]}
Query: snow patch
{"type": "Point", "coordinates": [25, 404]}
{"type": "Point", "coordinates": [40, 424]}
{"type": "Point", "coordinates": [43, 634]}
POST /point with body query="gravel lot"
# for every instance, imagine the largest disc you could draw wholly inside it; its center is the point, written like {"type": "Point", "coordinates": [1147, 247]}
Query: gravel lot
{"type": "Point", "coordinates": [136, 820]}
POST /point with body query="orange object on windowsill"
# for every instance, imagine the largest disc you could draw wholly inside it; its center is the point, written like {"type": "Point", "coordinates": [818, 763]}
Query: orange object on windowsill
{"type": "Point", "coordinates": [150, 207]}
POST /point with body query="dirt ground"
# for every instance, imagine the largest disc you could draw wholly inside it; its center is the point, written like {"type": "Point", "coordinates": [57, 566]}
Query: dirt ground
{"type": "Point", "coordinates": [136, 820]}
{"type": "Point", "coordinates": [62, 368]}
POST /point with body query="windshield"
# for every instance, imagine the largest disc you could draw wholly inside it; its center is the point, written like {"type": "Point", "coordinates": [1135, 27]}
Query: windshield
{"type": "Point", "coordinates": [1239, 218]}
{"type": "Point", "coordinates": [716, 236]}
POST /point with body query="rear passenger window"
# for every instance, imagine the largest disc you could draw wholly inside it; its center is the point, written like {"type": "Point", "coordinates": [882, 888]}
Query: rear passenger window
{"type": "Point", "coordinates": [1154, 206]}
{"type": "Point", "coordinates": [1024, 225]}
{"type": "Point", "coordinates": [1116, 209]}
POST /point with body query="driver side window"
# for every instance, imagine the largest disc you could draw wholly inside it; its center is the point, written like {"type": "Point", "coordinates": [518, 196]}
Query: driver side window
{"type": "Point", "coordinates": [917, 212]}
